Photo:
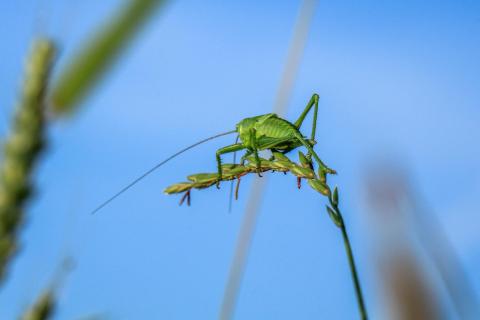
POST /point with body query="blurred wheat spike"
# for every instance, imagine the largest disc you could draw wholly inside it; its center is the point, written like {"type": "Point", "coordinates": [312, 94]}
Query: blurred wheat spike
{"type": "Point", "coordinates": [23, 147]}
{"type": "Point", "coordinates": [42, 309]}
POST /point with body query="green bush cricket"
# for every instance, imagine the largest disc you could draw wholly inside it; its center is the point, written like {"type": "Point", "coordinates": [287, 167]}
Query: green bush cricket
{"type": "Point", "coordinates": [269, 132]}
{"type": "Point", "coordinates": [264, 132]}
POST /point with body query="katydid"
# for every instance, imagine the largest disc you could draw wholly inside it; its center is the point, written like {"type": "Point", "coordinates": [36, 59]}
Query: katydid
{"type": "Point", "coordinates": [270, 132]}
{"type": "Point", "coordinates": [264, 132]}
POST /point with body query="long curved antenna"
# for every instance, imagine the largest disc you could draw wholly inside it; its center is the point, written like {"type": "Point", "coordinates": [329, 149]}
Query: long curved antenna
{"type": "Point", "coordinates": [134, 182]}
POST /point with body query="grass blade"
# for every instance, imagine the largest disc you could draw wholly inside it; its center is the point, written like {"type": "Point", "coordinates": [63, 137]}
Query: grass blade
{"type": "Point", "coordinates": [95, 58]}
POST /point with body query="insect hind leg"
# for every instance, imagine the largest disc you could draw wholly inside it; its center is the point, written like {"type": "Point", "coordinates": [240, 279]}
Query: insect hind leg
{"type": "Point", "coordinates": [312, 103]}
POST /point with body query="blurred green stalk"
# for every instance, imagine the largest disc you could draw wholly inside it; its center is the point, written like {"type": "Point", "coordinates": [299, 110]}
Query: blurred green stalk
{"type": "Point", "coordinates": [94, 58]}
{"type": "Point", "coordinates": [22, 148]}
{"type": "Point", "coordinates": [42, 309]}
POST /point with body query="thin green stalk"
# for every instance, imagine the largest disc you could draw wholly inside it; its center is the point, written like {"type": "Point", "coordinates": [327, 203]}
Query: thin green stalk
{"type": "Point", "coordinates": [336, 216]}
{"type": "Point", "coordinates": [353, 270]}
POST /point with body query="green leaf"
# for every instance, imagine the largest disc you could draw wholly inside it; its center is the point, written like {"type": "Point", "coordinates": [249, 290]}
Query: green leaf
{"type": "Point", "coordinates": [202, 177]}
{"type": "Point", "coordinates": [178, 187]}
{"type": "Point", "coordinates": [280, 157]}
{"type": "Point", "coordinates": [335, 197]}
{"type": "Point", "coordinates": [303, 159]}
{"type": "Point", "coordinates": [334, 216]}
{"type": "Point", "coordinates": [319, 186]}
{"type": "Point", "coordinates": [95, 58]}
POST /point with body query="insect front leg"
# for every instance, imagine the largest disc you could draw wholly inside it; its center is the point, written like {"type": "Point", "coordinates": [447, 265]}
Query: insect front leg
{"type": "Point", "coordinates": [253, 133]}
{"type": "Point", "coordinates": [244, 157]}
{"type": "Point", "coordinates": [227, 149]}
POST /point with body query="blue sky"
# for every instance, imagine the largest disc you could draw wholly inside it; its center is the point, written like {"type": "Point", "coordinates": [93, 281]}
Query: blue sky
{"type": "Point", "coordinates": [395, 78]}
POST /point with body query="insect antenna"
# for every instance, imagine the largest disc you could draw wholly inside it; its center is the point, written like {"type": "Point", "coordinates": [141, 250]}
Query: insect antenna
{"type": "Point", "coordinates": [134, 182]}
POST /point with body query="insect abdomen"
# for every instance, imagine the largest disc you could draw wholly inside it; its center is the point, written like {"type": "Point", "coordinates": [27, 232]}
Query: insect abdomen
{"type": "Point", "coordinates": [276, 128]}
